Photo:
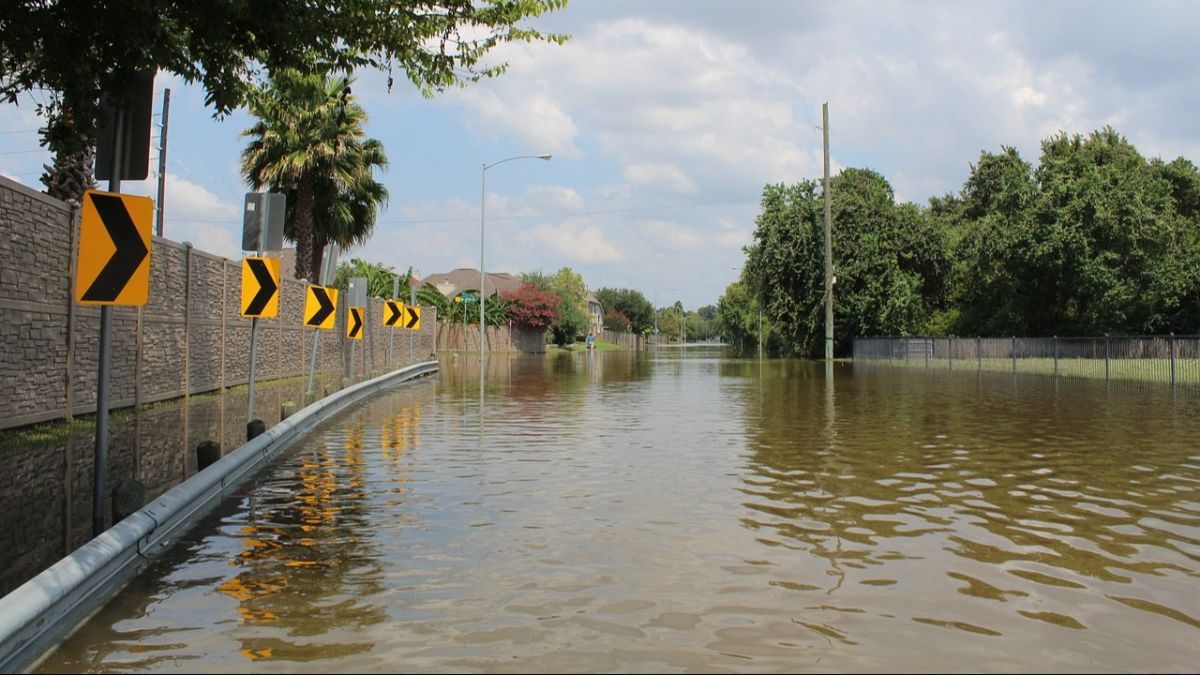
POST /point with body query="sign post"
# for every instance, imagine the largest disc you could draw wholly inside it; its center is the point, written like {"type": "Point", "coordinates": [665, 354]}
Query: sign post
{"type": "Point", "coordinates": [392, 334]}
{"type": "Point", "coordinates": [356, 293]}
{"type": "Point", "coordinates": [393, 312]}
{"type": "Point", "coordinates": [262, 229]}
{"type": "Point", "coordinates": [329, 264]}
{"type": "Point", "coordinates": [124, 278]}
{"type": "Point", "coordinates": [412, 302]}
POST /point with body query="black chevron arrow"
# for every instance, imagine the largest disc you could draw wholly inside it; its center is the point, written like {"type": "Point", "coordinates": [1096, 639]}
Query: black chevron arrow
{"type": "Point", "coordinates": [130, 253]}
{"type": "Point", "coordinates": [413, 317]}
{"type": "Point", "coordinates": [326, 309]}
{"type": "Point", "coordinates": [266, 287]}
{"type": "Point", "coordinates": [393, 313]}
{"type": "Point", "coordinates": [356, 322]}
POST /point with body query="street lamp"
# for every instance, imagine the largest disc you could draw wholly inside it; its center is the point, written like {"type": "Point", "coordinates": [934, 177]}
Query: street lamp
{"type": "Point", "coordinates": [482, 203]}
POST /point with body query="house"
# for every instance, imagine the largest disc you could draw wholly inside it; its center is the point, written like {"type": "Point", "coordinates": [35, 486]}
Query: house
{"type": "Point", "coordinates": [595, 315]}
{"type": "Point", "coordinates": [467, 279]}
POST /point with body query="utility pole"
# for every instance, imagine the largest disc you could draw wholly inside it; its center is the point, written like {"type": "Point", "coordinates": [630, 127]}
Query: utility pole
{"type": "Point", "coordinates": [162, 161]}
{"type": "Point", "coordinates": [828, 242]}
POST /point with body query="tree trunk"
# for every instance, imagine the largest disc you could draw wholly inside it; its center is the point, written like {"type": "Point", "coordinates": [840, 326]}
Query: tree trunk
{"type": "Point", "coordinates": [318, 252]}
{"type": "Point", "coordinates": [303, 231]}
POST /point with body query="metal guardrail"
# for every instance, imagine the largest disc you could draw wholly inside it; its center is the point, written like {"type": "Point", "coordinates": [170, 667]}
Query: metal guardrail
{"type": "Point", "coordinates": [47, 608]}
{"type": "Point", "coordinates": [1166, 359]}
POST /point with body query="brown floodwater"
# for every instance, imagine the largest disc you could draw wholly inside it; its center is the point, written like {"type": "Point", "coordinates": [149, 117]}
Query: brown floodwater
{"type": "Point", "coordinates": [669, 512]}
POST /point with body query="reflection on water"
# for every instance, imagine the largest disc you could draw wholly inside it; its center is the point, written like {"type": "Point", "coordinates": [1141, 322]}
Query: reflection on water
{"type": "Point", "coordinates": [653, 512]}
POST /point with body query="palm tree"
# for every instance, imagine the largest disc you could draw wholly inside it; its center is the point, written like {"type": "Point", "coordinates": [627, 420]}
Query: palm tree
{"type": "Point", "coordinates": [309, 143]}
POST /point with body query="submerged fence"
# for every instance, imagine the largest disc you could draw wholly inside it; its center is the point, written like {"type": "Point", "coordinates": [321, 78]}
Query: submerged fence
{"type": "Point", "coordinates": [1168, 359]}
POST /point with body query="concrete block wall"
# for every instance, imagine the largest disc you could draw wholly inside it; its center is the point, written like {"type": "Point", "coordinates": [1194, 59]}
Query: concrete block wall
{"type": "Point", "coordinates": [188, 339]}
{"type": "Point", "coordinates": [454, 337]}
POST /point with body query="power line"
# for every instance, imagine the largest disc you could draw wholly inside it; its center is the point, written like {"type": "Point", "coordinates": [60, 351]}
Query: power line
{"type": "Point", "coordinates": [639, 209]}
{"type": "Point", "coordinates": [529, 217]}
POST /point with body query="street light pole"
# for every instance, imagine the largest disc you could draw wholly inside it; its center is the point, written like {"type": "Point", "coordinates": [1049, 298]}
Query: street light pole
{"type": "Point", "coordinates": [828, 243]}
{"type": "Point", "coordinates": [482, 207]}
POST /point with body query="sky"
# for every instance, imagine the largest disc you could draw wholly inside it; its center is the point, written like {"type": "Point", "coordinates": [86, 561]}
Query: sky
{"type": "Point", "coordinates": [666, 119]}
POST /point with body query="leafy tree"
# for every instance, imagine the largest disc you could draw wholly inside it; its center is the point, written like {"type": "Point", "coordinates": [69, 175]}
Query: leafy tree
{"type": "Point", "coordinates": [738, 317]}
{"type": "Point", "coordinates": [431, 295]}
{"type": "Point", "coordinates": [632, 304]}
{"type": "Point", "coordinates": [80, 49]}
{"type": "Point", "coordinates": [309, 143]}
{"type": "Point", "coordinates": [617, 321]}
{"type": "Point", "coordinates": [889, 261]}
{"type": "Point", "coordinates": [668, 326]}
{"type": "Point", "coordinates": [698, 328]}
{"type": "Point", "coordinates": [538, 280]}
{"type": "Point", "coordinates": [1097, 239]}
{"type": "Point", "coordinates": [345, 214]}
{"type": "Point", "coordinates": [784, 270]}
{"type": "Point", "coordinates": [380, 277]}
{"type": "Point", "coordinates": [531, 307]}
{"type": "Point", "coordinates": [994, 213]}
{"type": "Point", "coordinates": [572, 313]}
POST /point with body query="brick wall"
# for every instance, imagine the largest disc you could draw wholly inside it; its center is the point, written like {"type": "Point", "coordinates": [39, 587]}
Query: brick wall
{"type": "Point", "coordinates": [189, 338]}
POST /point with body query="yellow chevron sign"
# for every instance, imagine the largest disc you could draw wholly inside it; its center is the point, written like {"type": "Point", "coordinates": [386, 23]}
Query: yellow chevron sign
{"type": "Point", "coordinates": [320, 304]}
{"type": "Point", "coordinates": [260, 287]}
{"type": "Point", "coordinates": [354, 323]}
{"type": "Point", "coordinates": [412, 317]}
{"type": "Point", "coordinates": [114, 249]}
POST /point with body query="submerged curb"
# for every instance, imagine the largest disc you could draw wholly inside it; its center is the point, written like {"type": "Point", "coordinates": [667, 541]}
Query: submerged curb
{"type": "Point", "coordinates": [45, 609]}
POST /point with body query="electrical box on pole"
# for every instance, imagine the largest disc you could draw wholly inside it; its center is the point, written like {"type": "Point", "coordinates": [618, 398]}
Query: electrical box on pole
{"type": "Point", "coordinates": [262, 221]}
{"type": "Point", "coordinates": [125, 120]}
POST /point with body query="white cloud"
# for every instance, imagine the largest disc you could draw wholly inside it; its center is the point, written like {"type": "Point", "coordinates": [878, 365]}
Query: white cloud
{"type": "Point", "coordinates": [670, 236]}
{"type": "Point", "coordinates": [666, 176]}
{"type": "Point", "coordinates": [536, 119]}
{"type": "Point", "coordinates": [574, 240]}
{"type": "Point", "coordinates": [544, 198]}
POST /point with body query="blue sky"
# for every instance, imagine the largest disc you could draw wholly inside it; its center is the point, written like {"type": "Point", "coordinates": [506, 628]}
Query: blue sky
{"type": "Point", "coordinates": [666, 119]}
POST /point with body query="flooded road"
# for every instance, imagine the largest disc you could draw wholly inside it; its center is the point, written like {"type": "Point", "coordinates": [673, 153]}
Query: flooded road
{"type": "Point", "coordinates": [660, 512]}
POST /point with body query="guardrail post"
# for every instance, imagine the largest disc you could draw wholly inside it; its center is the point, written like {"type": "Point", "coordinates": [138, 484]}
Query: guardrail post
{"type": "Point", "coordinates": [1172, 359]}
{"type": "Point", "coordinates": [1106, 366]}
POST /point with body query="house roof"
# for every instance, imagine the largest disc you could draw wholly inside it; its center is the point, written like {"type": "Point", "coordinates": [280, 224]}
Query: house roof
{"type": "Point", "coordinates": [467, 279]}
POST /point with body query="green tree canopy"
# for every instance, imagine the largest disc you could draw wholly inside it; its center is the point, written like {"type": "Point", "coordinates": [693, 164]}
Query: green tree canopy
{"type": "Point", "coordinates": [80, 49]}
{"type": "Point", "coordinates": [631, 304]}
{"type": "Point", "coordinates": [737, 317]}
{"type": "Point", "coordinates": [889, 261]}
{"type": "Point", "coordinates": [1096, 239]}
{"type": "Point", "coordinates": [379, 277]}
{"type": "Point", "coordinates": [572, 318]}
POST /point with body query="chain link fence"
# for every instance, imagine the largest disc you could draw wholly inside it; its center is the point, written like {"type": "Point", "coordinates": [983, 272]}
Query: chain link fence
{"type": "Point", "coordinates": [1167, 359]}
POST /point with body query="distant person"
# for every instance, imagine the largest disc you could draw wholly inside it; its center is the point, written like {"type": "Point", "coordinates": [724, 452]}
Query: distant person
{"type": "Point", "coordinates": [591, 341]}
